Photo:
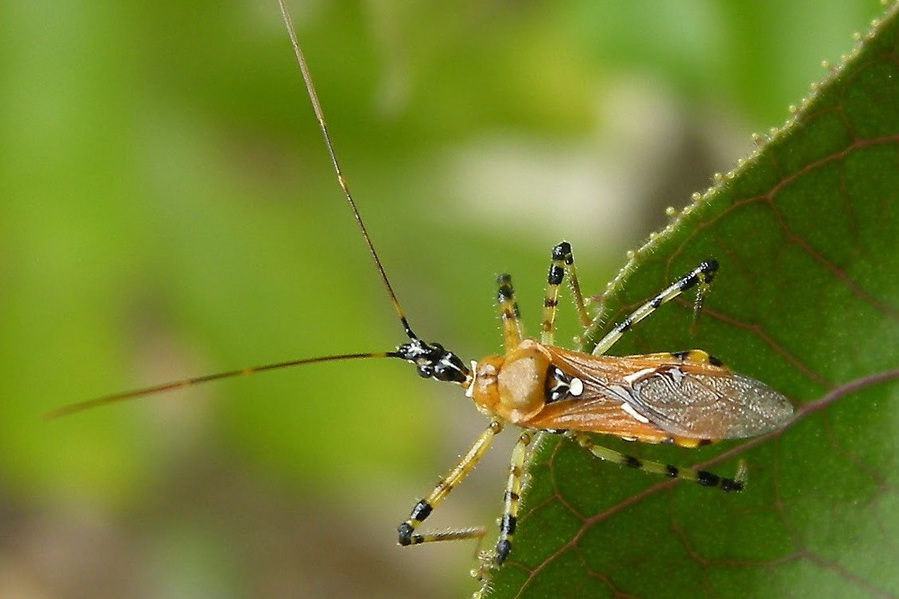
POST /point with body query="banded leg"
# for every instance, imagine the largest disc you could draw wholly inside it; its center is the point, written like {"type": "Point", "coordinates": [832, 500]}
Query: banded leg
{"type": "Point", "coordinates": [700, 277]}
{"type": "Point", "coordinates": [513, 330]}
{"type": "Point", "coordinates": [701, 477]}
{"type": "Point", "coordinates": [424, 507]}
{"type": "Point", "coordinates": [562, 261]}
{"type": "Point", "coordinates": [510, 500]}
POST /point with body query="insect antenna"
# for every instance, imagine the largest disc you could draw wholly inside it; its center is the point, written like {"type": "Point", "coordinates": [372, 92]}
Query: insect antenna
{"type": "Point", "coordinates": [430, 359]}
{"type": "Point", "coordinates": [183, 383]}
{"type": "Point", "coordinates": [320, 116]}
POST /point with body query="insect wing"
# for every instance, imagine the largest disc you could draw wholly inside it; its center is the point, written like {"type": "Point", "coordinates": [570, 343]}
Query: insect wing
{"type": "Point", "coordinates": [601, 406]}
{"type": "Point", "coordinates": [709, 402]}
{"type": "Point", "coordinates": [597, 413]}
{"type": "Point", "coordinates": [657, 397]}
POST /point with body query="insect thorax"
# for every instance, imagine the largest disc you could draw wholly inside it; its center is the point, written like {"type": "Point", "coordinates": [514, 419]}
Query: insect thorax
{"type": "Point", "coordinates": [514, 386]}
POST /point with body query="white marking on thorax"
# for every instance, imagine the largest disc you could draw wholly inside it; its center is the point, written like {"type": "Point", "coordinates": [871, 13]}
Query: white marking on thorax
{"type": "Point", "coordinates": [575, 386]}
{"type": "Point", "coordinates": [474, 377]}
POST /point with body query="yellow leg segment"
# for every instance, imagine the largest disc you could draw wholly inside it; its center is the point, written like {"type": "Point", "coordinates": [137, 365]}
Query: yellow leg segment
{"type": "Point", "coordinates": [700, 277]}
{"type": "Point", "coordinates": [424, 507]}
{"type": "Point", "coordinates": [510, 504]}
{"type": "Point", "coordinates": [562, 262]}
{"type": "Point", "coordinates": [701, 477]}
{"type": "Point", "coordinates": [513, 329]}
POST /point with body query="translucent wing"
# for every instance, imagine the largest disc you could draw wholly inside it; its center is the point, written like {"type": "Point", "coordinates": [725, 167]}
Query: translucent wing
{"type": "Point", "coordinates": [709, 402]}
{"type": "Point", "coordinates": [659, 397]}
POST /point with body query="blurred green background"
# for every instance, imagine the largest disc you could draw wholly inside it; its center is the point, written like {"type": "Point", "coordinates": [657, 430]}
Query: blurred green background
{"type": "Point", "coordinates": [167, 210]}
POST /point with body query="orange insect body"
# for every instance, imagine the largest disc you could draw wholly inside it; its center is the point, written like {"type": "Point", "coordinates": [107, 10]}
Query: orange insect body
{"type": "Point", "coordinates": [687, 399]}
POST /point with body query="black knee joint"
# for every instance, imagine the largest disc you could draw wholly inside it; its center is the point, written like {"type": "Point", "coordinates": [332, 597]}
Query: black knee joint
{"type": "Point", "coordinates": [730, 485]}
{"type": "Point", "coordinates": [556, 274]}
{"type": "Point", "coordinates": [707, 479]}
{"type": "Point", "coordinates": [507, 525]}
{"type": "Point", "coordinates": [502, 551]}
{"type": "Point", "coordinates": [562, 251]}
{"type": "Point", "coordinates": [421, 511]}
{"type": "Point", "coordinates": [504, 283]}
{"type": "Point", "coordinates": [709, 268]}
{"type": "Point", "coordinates": [405, 534]}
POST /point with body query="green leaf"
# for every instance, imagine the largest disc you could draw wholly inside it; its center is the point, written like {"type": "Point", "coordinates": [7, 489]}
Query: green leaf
{"type": "Point", "coordinates": [807, 299]}
{"type": "Point", "coordinates": [168, 210]}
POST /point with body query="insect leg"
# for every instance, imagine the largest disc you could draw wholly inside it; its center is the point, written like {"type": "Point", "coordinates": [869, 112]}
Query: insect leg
{"type": "Point", "coordinates": [513, 330]}
{"type": "Point", "coordinates": [562, 262]}
{"type": "Point", "coordinates": [423, 509]}
{"type": "Point", "coordinates": [700, 277]}
{"type": "Point", "coordinates": [706, 479]}
{"type": "Point", "coordinates": [510, 500]}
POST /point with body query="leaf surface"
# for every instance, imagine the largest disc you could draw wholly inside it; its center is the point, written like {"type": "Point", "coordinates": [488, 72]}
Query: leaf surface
{"type": "Point", "coordinates": [807, 234]}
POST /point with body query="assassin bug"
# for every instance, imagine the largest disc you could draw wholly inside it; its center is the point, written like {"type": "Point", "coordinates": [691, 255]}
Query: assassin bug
{"type": "Point", "coordinates": [686, 398]}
